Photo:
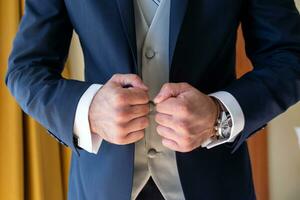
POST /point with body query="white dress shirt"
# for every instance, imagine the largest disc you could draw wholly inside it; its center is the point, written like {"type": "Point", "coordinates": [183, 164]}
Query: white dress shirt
{"type": "Point", "coordinates": [151, 157]}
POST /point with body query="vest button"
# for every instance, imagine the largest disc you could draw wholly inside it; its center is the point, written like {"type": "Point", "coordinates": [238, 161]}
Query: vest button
{"type": "Point", "coordinates": [152, 108]}
{"type": "Point", "coordinates": [150, 54]}
{"type": "Point", "coordinates": [152, 153]}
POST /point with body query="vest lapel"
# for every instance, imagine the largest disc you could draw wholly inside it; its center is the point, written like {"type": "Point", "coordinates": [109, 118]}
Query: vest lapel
{"type": "Point", "coordinates": [126, 11]}
{"type": "Point", "coordinates": [178, 9]}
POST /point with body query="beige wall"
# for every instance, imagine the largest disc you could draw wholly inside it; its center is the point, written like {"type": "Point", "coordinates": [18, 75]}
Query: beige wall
{"type": "Point", "coordinates": [284, 156]}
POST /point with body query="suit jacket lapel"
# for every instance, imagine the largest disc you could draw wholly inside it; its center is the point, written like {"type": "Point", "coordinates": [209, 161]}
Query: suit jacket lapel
{"type": "Point", "coordinates": [126, 11]}
{"type": "Point", "coordinates": [178, 9]}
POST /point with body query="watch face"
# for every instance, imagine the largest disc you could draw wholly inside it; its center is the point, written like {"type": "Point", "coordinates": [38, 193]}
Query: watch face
{"type": "Point", "coordinates": [226, 125]}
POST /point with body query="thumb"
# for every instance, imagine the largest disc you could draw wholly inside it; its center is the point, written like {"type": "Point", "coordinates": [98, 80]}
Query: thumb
{"type": "Point", "coordinates": [170, 90]}
{"type": "Point", "coordinates": [129, 80]}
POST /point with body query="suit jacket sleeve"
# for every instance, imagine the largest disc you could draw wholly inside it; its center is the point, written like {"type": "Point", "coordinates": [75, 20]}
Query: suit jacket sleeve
{"type": "Point", "coordinates": [272, 35]}
{"type": "Point", "coordinates": [35, 66]}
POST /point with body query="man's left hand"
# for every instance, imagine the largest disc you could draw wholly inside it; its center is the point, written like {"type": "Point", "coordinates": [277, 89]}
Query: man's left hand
{"type": "Point", "coordinates": [185, 116]}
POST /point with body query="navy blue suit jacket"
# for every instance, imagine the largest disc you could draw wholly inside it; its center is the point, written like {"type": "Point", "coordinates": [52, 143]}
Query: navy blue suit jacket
{"type": "Point", "coordinates": [202, 52]}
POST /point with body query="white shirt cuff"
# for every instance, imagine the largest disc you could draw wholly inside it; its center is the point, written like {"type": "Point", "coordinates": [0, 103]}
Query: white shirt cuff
{"type": "Point", "coordinates": [88, 141]}
{"type": "Point", "coordinates": [237, 116]}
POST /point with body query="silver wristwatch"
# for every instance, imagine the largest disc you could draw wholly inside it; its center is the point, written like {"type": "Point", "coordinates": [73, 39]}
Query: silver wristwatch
{"type": "Point", "coordinates": [224, 122]}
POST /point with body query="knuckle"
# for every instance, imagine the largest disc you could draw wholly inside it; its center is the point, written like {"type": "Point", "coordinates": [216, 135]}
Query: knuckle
{"type": "Point", "coordinates": [144, 109]}
{"type": "Point", "coordinates": [186, 140]}
{"type": "Point", "coordinates": [166, 86]}
{"type": "Point", "coordinates": [143, 122]}
{"type": "Point", "coordinates": [142, 97]}
{"type": "Point", "coordinates": [120, 116]}
{"type": "Point", "coordinates": [115, 76]}
{"type": "Point", "coordinates": [145, 96]}
{"type": "Point", "coordinates": [183, 109]}
{"type": "Point", "coordinates": [183, 125]}
{"type": "Point", "coordinates": [135, 77]}
{"type": "Point", "coordinates": [185, 84]}
{"type": "Point", "coordinates": [120, 99]}
{"type": "Point", "coordinates": [119, 130]}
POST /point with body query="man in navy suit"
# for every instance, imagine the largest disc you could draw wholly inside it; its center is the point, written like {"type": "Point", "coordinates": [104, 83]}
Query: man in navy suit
{"type": "Point", "coordinates": [160, 114]}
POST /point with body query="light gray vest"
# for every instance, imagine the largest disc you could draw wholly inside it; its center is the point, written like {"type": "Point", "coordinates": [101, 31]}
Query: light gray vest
{"type": "Point", "coordinates": [151, 157]}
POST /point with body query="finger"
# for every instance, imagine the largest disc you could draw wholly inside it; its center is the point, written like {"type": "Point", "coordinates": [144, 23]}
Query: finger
{"type": "Point", "coordinates": [126, 80]}
{"type": "Point", "coordinates": [137, 96]}
{"type": "Point", "coordinates": [165, 120]}
{"type": "Point", "coordinates": [134, 136]}
{"type": "Point", "coordinates": [170, 144]}
{"type": "Point", "coordinates": [137, 124]}
{"type": "Point", "coordinates": [170, 90]}
{"type": "Point", "coordinates": [168, 133]}
{"type": "Point", "coordinates": [179, 126]}
{"type": "Point", "coordinates": [137, 111]}
{"type": "Point", "coordinates": [168, 106]}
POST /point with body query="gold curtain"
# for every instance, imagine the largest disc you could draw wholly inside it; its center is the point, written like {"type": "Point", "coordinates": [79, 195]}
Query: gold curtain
{"type": "Point", "coordinates": [33, 165]}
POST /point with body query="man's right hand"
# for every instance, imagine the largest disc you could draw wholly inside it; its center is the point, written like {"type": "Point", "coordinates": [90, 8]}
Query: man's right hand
{"type": "Point", "coordinates": [118, 112]}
